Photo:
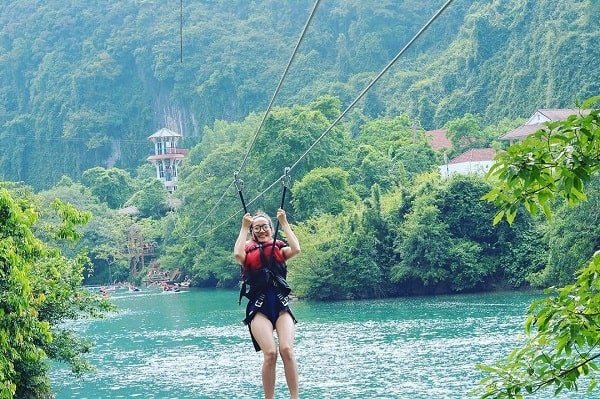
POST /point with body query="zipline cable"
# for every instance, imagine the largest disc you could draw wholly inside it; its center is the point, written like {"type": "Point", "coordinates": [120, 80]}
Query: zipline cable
{"type": "Point", "coordinates": [181, 31]}
{"type": "Point", "coordinates": [212, 210]}
{"type": "Point", "coordinates": [352, 104]}
{"type": "Point", "coordinates": [285, 72]}
{"type": "Point", "coordinates": [366, 89]}
{"type": "Point", "coordinates": [69, 139]}
{"type": "Point", "coordinates": [267, 112]}
{"type": "Point", "coordinates": [215, 228]}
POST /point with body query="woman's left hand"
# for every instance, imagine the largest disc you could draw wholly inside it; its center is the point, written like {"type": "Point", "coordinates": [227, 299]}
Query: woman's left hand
{"type": "Point", "coordinates": [281, 216]}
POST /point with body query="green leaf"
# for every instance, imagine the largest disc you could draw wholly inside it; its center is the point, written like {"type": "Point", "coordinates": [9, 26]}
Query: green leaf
{"type": "Point", "coordinates": [498, 217]}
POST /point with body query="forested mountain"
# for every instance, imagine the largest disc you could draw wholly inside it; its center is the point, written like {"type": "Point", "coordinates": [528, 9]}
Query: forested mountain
{"type": "Point", "coordinates": [84, 83]}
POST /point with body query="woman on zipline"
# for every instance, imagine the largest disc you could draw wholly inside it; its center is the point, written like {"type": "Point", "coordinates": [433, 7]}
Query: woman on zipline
{"type": "Point", "coordinates": [264, 270]}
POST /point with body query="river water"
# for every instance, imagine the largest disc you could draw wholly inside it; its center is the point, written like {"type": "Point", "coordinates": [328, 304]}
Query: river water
{"type": "Point", "coordinates": [192, 344]}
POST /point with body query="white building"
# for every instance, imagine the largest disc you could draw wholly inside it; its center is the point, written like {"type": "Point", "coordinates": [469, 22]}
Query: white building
{"type": "Point", "coordinates": [537, 121]}
{"type": "Point", "coordinates": [474, 161]}
{"type": "Point", "coordinates": [479, 160]}
{"type": "Point", "coordinates": [167, 157]}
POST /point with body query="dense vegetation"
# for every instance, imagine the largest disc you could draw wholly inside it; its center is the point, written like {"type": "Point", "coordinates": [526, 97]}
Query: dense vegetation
{"type": "Point", "coordinates": [562, 330]}
{"type": "Point", "coordinates": [413, 233]}
{"type": "Point", "coordinates": [373, 216]}
{"type": "Point", "coordinates": [87, 82]}
{"type": "Point", "coordinates": [40, 290]}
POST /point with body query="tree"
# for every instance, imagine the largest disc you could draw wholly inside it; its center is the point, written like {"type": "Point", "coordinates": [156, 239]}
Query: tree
{"type": "Point", "coordinates": [338, 260]}
{"type": "Point", "coordinates": [39, 291]}
{"type": "Point", "coordinates": [288, 134]}
{"type": "Point", "coordinates": [320, 183]}
{"type": "Point", "coordinates": [444, 245]}
{"type": "Point", "coordinates": [403, 149]}
{"type": "Point", "coordinates": [317, 277]}
{"type": "Point", "coordinates": [112, 186]}
{"type": "Point", "coordinates": [103, 236]}
{"type": "Point", "coordinates": [562, 330]}
{"type": "Point", "coordinates": [463, 132]}
{"type": "Point", "coordinates": [423, 249]}
{"type": "Point", "coordinates": [573, 235]}
{"type": "Point", "coordinates": [151, 199]}
{"type": "Point", "coordinates": [372, 167]}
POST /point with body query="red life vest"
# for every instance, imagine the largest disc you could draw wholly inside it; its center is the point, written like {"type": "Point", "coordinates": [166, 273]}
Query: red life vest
{"type": "Point", "coordinates": [253, 261]}
{"type": "Point", "coordinates": [258, 275]}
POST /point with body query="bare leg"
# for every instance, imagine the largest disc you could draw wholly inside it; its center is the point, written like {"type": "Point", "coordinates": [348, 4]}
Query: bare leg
{"type": "Point", "coordinates": [262, 330]}
{"type": "Point", "coordinates": [286, 331]}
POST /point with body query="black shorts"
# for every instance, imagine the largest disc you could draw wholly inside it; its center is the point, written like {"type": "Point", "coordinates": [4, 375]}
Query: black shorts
{"type": "Point", "coordinates": [269, 305]}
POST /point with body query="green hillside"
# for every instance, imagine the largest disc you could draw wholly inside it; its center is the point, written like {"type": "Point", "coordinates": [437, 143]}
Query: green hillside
{"type": "Point", "coordinates": [83, 83]}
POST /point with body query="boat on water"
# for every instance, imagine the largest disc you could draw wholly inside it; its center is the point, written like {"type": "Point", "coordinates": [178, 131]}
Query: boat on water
{"type": "Point", "coordinates": [185, 284]}
{"type": "Point", "coordinates": [170, 287]}
{"type": "Point", "coordinates": [106, 290]}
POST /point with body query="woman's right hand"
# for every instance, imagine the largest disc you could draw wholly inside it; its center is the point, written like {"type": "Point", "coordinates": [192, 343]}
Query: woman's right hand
{"type": "Point", "coordinates": [247, 221]}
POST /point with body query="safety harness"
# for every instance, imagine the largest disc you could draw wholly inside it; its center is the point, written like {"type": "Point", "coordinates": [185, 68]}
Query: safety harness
{"type": "Point", "coordinates": [272, 273]}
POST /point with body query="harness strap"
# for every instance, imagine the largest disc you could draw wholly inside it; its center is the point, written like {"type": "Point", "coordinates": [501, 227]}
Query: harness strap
{"type": "Point", "coordinates": [239, 185]}
{"type": "Point", "coordinates": [242, 292]}
{"type": "Point", "coordinates": [285, 180]}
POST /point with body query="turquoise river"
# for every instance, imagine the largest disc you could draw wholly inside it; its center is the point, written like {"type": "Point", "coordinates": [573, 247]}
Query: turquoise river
{"type": "Point", "coordinates": [192, 344]}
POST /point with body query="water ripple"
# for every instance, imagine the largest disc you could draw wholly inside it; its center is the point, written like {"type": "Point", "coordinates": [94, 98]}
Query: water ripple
{"type": "Point", "coordinates": [195, 346]}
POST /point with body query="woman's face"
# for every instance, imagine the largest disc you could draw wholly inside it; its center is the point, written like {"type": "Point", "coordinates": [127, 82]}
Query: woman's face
{"type": "Point", "coordinates": [261, 229]}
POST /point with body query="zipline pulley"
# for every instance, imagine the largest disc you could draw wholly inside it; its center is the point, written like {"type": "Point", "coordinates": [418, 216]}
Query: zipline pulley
{"type": "Point", "coordinates": [285, 180]}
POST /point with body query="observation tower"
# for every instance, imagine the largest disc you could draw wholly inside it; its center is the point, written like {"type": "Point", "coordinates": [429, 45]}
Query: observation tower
{"type": "Point", "coordinates": [167, 157]}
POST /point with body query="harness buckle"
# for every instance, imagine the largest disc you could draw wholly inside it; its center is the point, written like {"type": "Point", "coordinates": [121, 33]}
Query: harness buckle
{"type": "Point", "coordinates": [259, 302]}
{"type": "Point", "coordinates": [284, 300]}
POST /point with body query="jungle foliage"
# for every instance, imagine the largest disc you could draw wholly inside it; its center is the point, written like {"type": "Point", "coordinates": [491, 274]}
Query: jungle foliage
{"type": "Point", "coordinates": [562, 335]}
{"type": "Point", "coordinates": [40, 290]}
{"type": "Point", "coordinates": [88, 82]}
{"type": "Point", "coordinates": [372, 213]}
{"type": "Point", "coordinates": [82, 85]}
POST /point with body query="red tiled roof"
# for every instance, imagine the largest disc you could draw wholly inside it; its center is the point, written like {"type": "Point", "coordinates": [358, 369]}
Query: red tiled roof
{"type": "Point", "coordinates": [522, 131]}
{"type": "Point", "coordinates": [438, 140]}
{"type": "Point", "coordinates": [538, 118]}
{"type": "Point", "coordinates": [557, 114]}
{"type": "Point", "coordinates": [474, 155]}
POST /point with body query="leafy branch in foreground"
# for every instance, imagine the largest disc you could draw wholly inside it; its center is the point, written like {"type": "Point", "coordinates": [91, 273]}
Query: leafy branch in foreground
{"type": "Point", "coordinates": [562, 342]}
{"type": "Point", "coordinates": [40, 291]}
{"type": "Point", "coordinates": [562, 331]}
{"type": "Point", "coordinates": [554, 161]}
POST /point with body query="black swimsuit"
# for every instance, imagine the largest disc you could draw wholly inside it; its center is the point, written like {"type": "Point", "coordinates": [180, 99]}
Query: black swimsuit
{"type": "Point", "coordinates": [268, 304]}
